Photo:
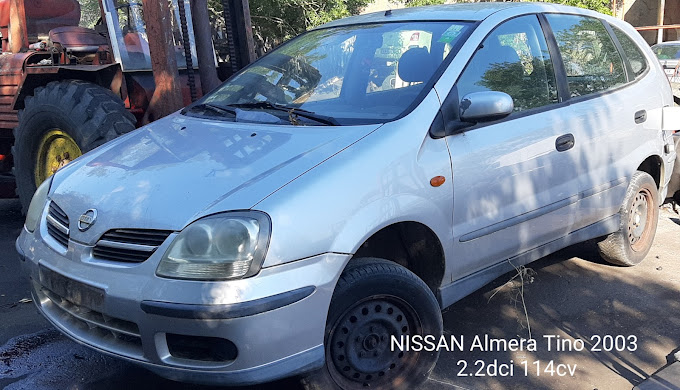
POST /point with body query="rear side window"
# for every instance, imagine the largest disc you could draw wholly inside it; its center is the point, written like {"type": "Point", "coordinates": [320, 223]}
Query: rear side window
{"type": "Point", "coordinates": [513, 59]}
{"type": "Point", "coordinates": [635, 57]}
{"type": "Point", "coordinates": [590, 58]}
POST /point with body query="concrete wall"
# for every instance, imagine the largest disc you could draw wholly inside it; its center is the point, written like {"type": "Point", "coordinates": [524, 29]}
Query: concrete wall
{"type": "Point", "coordinates": [645, 13]}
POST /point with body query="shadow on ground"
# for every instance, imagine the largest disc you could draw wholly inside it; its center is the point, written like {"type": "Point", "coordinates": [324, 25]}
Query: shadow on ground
{"type": "Point", "coordinates": [574, 295]}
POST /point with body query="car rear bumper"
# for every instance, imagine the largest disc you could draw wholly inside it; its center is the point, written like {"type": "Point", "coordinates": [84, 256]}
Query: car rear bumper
{"type": "Point", "coordinates": [674, 183]}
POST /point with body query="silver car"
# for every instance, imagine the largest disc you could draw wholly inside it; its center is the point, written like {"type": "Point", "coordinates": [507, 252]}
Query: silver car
{"type": "Point", "coordinates": [338, 193]}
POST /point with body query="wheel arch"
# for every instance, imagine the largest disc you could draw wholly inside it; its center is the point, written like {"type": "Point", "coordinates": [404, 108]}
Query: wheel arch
{"type": "Point", "coordinates": [653, 165]}
{"type": "Point", "coordinates": [410, 244]}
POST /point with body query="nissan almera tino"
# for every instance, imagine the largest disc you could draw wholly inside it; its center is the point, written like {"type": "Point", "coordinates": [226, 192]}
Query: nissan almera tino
{"type": "Point", "coordinates": [344, 189]}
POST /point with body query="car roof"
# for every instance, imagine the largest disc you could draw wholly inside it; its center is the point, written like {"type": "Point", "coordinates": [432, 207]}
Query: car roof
{"type": "Point", "coordinates": [460, 11]}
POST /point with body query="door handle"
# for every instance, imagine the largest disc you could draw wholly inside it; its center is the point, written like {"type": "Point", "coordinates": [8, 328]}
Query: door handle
{"type": "Point", "coordinates": [640, 116]}
{"type": "Point", "coordinates": [564, 142]}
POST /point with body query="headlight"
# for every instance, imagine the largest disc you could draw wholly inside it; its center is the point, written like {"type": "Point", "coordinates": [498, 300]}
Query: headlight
{"type": "Point", "coordinates": [37, 204]}
{"type": "Point", "coordinates": [218, 247]}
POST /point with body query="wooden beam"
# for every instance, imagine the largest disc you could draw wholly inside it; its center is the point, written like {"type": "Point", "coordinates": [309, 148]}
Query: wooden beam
{"type": "Point", "coordinates": [660, 15]}
{"type": "Point", "coordinates": [18, 34]}
{"type": "Point", "coordinates": [167, 97]}
{"type": "Point", "coordinates": [662, 27]}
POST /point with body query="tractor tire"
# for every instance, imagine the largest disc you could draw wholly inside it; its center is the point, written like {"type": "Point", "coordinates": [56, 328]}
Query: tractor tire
{"type": "Point", "coordinates": [61, 121]}
{"type": "Point", "coordinates": [375, 300]}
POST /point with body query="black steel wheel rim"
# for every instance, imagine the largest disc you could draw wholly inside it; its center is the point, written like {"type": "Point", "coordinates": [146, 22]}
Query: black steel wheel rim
{"type": "Point", "coordinates": [639, 219]}
{"type": "Point", "coordinates": [359, 343]}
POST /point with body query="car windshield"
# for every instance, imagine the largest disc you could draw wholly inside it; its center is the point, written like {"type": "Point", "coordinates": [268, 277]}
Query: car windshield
{"type": "Point", "coordinates": [359, 74]}
{"type": "Point", "coordinates": [667, 52]}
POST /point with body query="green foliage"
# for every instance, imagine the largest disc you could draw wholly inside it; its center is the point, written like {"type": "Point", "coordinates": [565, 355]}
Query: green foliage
{"type": "Point", "coordinates": [89, 12]}
{"type": "Point", "coordinates": [418, 3]}
{"type": "Point", "coordinates": [603, 6]}
{"type": "Point", "coordinates": [277, 20]}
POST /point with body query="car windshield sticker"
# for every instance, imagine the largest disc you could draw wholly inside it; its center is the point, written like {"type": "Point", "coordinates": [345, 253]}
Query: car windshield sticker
{"type": "Point", "coordinates": [451, 34]}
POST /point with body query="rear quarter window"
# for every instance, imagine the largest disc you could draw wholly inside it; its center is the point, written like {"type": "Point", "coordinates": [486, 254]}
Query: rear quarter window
{"type": "Point", "coordinates": [591, 60]}
{"type": "Point", "coordinates": [637, 60]}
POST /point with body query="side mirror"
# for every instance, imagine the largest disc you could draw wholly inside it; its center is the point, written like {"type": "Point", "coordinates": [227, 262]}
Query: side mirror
{"type": "Point", "coordinates": [485, 106]}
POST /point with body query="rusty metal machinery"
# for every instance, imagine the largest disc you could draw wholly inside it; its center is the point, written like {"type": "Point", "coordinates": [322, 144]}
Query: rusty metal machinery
{"type": "Point", "coordinates": [47, 45]}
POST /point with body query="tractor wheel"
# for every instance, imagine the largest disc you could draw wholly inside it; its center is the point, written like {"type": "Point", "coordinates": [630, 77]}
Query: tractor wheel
{"type": "Point", "coordinates": [61, 121]}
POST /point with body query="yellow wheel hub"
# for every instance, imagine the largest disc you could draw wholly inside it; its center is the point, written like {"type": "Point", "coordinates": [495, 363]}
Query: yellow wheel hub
{"type": "Point", "coordinates": [55, 150]}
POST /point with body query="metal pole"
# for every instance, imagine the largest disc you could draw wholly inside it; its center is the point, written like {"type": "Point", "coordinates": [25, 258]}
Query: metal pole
{"type": "Point", "coordinates": [186, 42]}
{"type": "Point", "coordinates": [662, 6]}
{"type": "Point", "coordinates": [204, 46]}
{"type": "Point", "coordinates": [239, 33]}
{"type": "Point", "coordinates": [167, 97]}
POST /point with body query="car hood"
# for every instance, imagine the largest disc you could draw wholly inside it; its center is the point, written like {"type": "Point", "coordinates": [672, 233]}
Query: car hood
{"type": "Point", "coordinates": [177, 169]}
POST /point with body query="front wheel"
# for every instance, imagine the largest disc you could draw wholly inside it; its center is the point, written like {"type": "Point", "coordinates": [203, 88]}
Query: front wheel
{"type": "Point", "coordinates": [639, 214]}
{"type": "Point", "coordinates": [375, 301]}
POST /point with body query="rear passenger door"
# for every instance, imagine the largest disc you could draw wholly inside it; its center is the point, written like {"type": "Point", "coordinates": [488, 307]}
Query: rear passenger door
{"type": "Point", "coordinates": [602, 112]}
{"type": "Point", "coordinates": [513, 191]}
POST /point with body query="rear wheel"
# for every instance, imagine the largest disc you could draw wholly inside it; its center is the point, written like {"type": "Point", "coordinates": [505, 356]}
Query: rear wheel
{"type": "Point", "coordinates": [639, 214]}
{"type": "Point", "coordinates": [374, 301]}
{"type": "Point", "coordinates": [61, 121]}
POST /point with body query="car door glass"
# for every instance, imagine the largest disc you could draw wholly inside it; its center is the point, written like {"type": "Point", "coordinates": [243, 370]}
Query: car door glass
{"type": "Point", "coordinates": [591, 60]}
{"type": "Point", "coordinates": [513, 59]}
{"type": "Point", "coordinates": [635, 57]}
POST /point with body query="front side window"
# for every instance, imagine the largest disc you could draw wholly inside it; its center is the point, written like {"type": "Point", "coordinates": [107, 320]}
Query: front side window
{"type": "Point", "coordinates": [635, 57]}
{"type": "Point", "coordinates": [355, 74]}
{"type": "Point", "coordinates": [591, 60]}
{"type": "Point", "coordinates": [513, 59]}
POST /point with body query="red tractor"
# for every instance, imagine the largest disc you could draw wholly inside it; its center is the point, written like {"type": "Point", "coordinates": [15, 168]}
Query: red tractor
{"type": "Point", "coordinates": [76, 74]}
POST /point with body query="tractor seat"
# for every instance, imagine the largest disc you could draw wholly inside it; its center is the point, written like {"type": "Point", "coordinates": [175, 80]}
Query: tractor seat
{"type": "Point", "coordinates": [77, 38]}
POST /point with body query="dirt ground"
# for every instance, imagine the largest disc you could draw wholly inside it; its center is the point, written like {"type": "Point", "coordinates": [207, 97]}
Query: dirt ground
{"type": "Point", "coordinates": [571, 294]}
{"type": "Point", "coordinates": [574, 295]}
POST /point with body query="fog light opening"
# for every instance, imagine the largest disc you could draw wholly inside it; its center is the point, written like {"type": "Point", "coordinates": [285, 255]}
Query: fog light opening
{"type": "Point", "coordinates": [206, 349]}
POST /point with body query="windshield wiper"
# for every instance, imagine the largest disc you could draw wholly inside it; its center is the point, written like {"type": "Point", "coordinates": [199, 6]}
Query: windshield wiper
{"type": "Point", "coordinates": [292, 112]}
{"type": "Point", "coordinates": [211, 107]}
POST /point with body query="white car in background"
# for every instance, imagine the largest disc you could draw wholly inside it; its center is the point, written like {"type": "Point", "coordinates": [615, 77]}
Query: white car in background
{"type": "Point", "coordinates": [668, 54]}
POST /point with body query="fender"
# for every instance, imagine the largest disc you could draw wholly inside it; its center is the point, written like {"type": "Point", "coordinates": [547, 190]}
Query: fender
{"type": "Point", "coordinates": [108, 76]}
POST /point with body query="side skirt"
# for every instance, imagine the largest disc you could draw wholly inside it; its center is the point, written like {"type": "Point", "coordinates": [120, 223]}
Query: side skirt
{"type": "Point", "coordinates": [451, 293]}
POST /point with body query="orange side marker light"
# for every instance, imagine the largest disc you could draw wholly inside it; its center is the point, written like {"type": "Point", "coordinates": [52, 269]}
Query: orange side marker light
{"type": "Point", "coordinates": [437, 181]}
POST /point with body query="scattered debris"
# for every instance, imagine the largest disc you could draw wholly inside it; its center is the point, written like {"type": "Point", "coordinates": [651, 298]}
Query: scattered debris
{"type": "Point", "coordinates": [15, 304]}
{"type": "Point", "coordinates": [24, 345]}
{"type": "Point", "coordinates": [526, 276]}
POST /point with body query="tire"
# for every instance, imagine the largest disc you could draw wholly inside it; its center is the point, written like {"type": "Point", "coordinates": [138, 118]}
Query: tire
{"type": "Point", "coordinates": [639, 214]}
{"type": "Point", "coordinates": [80, 114]}
{"type": "Point", "coordinates": [373, 300]}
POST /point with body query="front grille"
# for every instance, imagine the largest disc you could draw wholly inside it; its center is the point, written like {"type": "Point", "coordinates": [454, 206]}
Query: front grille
{"type": "Point", "coordinates": [57, 224]}
{"type": "Point", "coordinates": [95, 327]}
{"type": "Point", "coordinates": [129, 245]}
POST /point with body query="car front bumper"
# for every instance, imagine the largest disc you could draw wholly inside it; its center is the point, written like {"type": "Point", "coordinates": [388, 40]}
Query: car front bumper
{"type": "Point", "coordinates": [270, 325]}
